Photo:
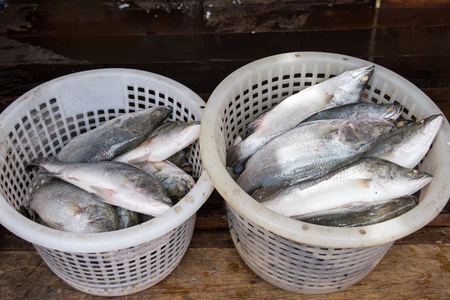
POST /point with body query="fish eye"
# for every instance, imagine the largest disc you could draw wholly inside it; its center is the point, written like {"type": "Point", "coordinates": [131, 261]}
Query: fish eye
{"type": "Point", "coordinates": [415, 172]}
{"type": "Point", "coordinates": [400, 124]}
{"type": "Point", "coordinates": [421, 121]}
{"type": "Point", "coordinates": [390, 109]}
{"type": "Point", "coordinates": [365, 78]}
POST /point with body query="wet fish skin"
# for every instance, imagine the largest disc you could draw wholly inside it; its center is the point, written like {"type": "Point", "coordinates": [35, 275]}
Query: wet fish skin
{"type": "Point", "coordinates": [164, 142]}
{"type": "Point", "coordinates": [362, 215]}
{"type": "Point", "coordinates": [115, 183]}
{"type": "Point", "coordinates": [181, 160]}
{"type": "Point", "coordinates": [66, 207]}
{"type": "Point", "coordinates": [310, 150]}
{"type": "Point", "coordinates": [176, 182]}
{"type": "Point", "coordinates": [369, 180]}
{"type": "Point", "coordinates": [358, 110]}
{"type": "Point", "coordinates": [117, 136]}
{"type": "Point", "coordinates": [126, 218]}
{"type": "Point", "coordinates": [339, 90]}
{"type": "Point", "coordinates": [409, 143]}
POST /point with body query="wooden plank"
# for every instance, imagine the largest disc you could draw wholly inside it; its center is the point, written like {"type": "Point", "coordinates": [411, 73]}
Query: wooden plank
{"type": "Point", "coordinates": [426, 72]}
{"type": "Point", "coordinates": [406, 272]}
{"type": "Point", "coordinates": [210, 17]}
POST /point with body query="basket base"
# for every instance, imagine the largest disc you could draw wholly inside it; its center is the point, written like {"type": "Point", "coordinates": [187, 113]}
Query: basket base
{"type": "Point", "coordinates": [301, 268]}
{"type": "Point", "coordinates": [125, 271]}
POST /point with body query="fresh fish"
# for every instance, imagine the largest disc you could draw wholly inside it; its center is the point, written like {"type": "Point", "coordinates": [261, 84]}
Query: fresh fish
{"type": "Point", "coordinates": [66, 207]}
{"type": "Point", "coordinates": [362, 215]}
{"type": "Point", "coordinates": [164, 142]}
{"type": "Point", "coordinates": [115, 183]}
{"type": "Point", "coordinates": [409, 143]}
{"type": "Point", "coordinates": [339, 90]}
{"type": "Point", "coordinates": [176, 182]}
{"type": "Point", "coordinates": [181, 160]}
{"type": "Point", "coordinates": [126, 218]}
{"type": "Point", "coordinates": [310, 150]}
{"type": "Point", "coordinates": [357, 111]}
{"type": "Point", "coordinates": [367, 181]}
{"type": "Point", "coordinates": [113, 137]}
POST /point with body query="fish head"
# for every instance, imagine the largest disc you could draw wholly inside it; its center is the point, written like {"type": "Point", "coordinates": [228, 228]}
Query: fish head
{"type": "Point", "coordinates": [189, 134]}
{"type": "Point", "coordinates": [144, 120]}
{"type": "Point", "coordinates": [153, 197]}
{"type": "Point", "coordinates": [393, 111]}
{"type": "Point", "coordinates": [349, 86]}
{"type": "Point", "coordinates": [431, 125]}
{"type": "Point", "coordinates": [397, 179]}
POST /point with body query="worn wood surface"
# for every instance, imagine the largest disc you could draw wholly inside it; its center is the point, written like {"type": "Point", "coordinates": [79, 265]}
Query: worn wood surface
{"type": "Point", "coordinates": [198, 43]}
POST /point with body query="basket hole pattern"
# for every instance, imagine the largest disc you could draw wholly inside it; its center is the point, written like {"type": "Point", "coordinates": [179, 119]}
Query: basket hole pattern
{"type": "Point", "coordinates": [39, 132]}
{"type": "Point", "coordinates": [134, 268]}
{"type": "Point", "coordinates": [299, 267]}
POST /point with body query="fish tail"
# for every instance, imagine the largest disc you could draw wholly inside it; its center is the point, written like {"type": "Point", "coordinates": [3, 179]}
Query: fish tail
{"type": "Point", "coordinates": [39, 162]}
{"type": "Point", "coordinates": [255, 124]}
{"type": "Point", "coordinates": [247, 184]}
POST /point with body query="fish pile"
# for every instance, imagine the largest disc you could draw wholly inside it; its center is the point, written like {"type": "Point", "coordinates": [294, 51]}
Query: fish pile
{"type": "Point", "coordinates": [126, 171]}
{"type": "Point", "coordinates": [325, 157]}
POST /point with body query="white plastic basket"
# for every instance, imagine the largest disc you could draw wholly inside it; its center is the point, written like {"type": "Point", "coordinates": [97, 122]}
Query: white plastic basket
{"type": "Point", "coordinates": [295, 255]}
{"type": "Point", "coordinates": [40, 122]}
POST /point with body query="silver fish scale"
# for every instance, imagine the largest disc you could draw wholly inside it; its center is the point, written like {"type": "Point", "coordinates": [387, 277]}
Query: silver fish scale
{"type": "Point", "coordinates": [308, 151]}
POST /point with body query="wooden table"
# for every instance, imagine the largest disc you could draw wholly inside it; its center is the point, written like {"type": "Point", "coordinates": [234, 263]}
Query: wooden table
{"type": "Point", "coordinates": [198, 43]}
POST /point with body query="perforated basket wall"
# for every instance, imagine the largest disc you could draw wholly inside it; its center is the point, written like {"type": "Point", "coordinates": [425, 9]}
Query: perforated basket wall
{"type": "Point", "coordinates": [40, 123]}
{"type": "Point", "coordinates": [295, 255]}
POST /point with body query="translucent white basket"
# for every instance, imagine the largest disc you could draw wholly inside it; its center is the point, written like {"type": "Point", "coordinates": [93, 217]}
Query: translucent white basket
{"type": "Point", "coordinates": [295, 255]}
{"type": "Point", "coordinates": [40, 122]}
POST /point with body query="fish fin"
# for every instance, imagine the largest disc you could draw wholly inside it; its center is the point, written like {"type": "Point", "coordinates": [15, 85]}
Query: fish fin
{"type": "Point", "coordinates": [365, 182]}
{"type": "Point", "coordinates": [255, 124]}
{"type": "Point", "coordinates": [262, 194]}
{"type": "Point", "coordinates": [102, 193]}
{"type": "Point", "coordinates": [74, 209]}
{"type": "Point", "coordinates": [237, 140]}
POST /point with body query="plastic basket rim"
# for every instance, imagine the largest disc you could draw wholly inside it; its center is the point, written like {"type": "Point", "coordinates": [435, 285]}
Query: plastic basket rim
{"type": "Point", "coordinates": [302, 232]}
{"type": "Point", "coordinates": [114, 240]}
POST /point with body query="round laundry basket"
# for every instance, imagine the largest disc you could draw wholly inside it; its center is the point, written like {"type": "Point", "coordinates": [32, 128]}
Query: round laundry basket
{"type": "Point", "coordinates": [295, 255]}
{"type": "Point", "coordinates": [40, 122]}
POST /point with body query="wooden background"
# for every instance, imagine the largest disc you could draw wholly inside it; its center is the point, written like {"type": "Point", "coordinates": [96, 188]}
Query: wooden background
{"type": "Point", "coordinates": [198, 43]}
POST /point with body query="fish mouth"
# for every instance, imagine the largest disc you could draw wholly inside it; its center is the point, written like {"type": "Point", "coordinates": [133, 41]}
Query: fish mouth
{"type": "Point", "coordinates": [396, 112]}
{"type": "Point", "coordinates": [432, 124]}
{"type": "Point", "coordinates": [364, 72]}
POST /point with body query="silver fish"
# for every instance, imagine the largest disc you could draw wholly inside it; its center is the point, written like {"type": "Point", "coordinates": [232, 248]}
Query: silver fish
{"type": "Point", "coordinates": [115, 183]}
{"type": "Point", "coordinates": [126, 218]}
{"type": "Point", "coordinates": [409, 143]}
{"type": "Point", "coordinates": [176, 182]}
{"type": "Point", "coordinates": [310, 150]}
{"type": "Point", "coordinates": [357, 111]}
{"type": "Point", "coordinates": [362, 215]}
{"type": "Point", "coordinates": [66, 207]}
{"type": "Point", "coordinates": [164, 142]}
{"type": "Point", "coordinates": [113, 137]}
{"type": "Point", "coordinates": [339, 90]}
{"type": "Point", "coordinates": [369, 180]}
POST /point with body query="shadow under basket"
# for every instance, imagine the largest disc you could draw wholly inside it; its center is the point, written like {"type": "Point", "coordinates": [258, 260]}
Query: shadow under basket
{"type": "Point", "coordinates": [40, 123]}
{"type": "Point", "coordinates": [294, 255]}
